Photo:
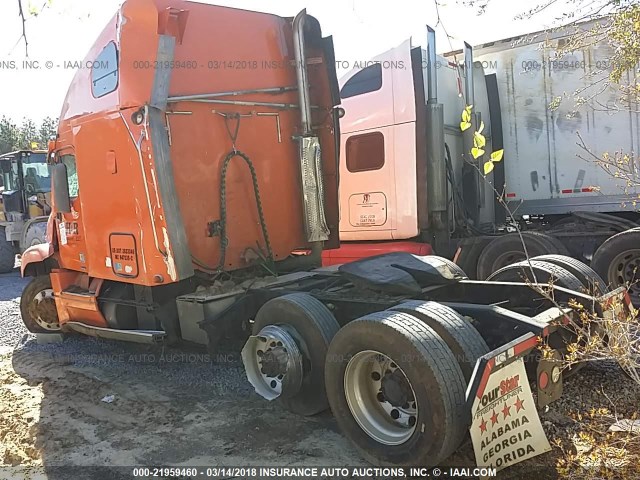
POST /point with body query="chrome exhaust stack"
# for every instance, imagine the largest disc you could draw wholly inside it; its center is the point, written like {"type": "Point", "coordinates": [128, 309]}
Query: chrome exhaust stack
{"type": "Point", "coordinates": [437, 191]}
{"type": "Point", "coordinates": [473, 186]}
{"type": "Point", "coordinates": [432, 78]}
{"type": "Point", "coordinates": [468, 69]}
{"type": "Point", "coordinates": [310, 152]}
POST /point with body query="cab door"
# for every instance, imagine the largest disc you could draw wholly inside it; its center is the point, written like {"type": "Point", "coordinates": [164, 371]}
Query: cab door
{"type": "Point", "coordinates": [367, 185]}
{"type": "Point", "coordinates": [378, 149]}
{"type": "Point", "coordinates": [69, 224]}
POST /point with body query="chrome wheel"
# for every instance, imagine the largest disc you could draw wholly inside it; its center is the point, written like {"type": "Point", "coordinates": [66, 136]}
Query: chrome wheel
{"type": "Point", "coordinates": [43, 310]}
{"type": "Point", "coordinates": [273, 362]}
{"type": "Point", "coordinates": [380, 397]}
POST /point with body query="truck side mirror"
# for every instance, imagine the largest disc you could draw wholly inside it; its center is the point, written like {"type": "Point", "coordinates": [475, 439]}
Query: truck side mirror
{"type": "Point", "coordinates": [60, 188]}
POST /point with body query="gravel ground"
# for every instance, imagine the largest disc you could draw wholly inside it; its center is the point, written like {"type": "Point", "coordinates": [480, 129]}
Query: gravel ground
{"type": "Point", "coordinates": [176, 367]}
{"type": "Point", "coordinates": [11, 332]}
{"type": "Point", "coordinates": [177, 407]}
{"type": "Point", "coordinates": [170, 407]}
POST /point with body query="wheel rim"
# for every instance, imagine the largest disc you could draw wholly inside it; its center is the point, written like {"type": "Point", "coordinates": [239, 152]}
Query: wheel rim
{"type": "Point", "coordinates": [380, 397]}
{"type": "Point", "coordinates": [508, 258]}
{"type": "Point", "coordinates": [625, 270]}
{"type": "Point", "coordinates": [43, 310]}
{"type": "Point", "coordinates": [273, 362]}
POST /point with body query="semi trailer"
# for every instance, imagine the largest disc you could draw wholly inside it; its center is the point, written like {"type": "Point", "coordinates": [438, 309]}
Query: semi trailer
{"type": "Point", "coordinates": [409, 183]}
{"type": "Point", "coordinates": [184, 187]}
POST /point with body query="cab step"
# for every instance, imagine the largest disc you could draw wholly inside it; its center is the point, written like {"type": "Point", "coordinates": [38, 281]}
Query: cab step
{"type": "Point", "coordinates": [135, 336]}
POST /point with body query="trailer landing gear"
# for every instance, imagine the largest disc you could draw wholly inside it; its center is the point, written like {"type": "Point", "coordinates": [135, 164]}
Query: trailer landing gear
{"type": "Point", "coordinates": [38, 307]}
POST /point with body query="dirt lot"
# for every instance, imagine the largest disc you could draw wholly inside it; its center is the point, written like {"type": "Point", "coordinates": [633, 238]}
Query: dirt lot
{"type": "Point", "coordinates": [172, 407]}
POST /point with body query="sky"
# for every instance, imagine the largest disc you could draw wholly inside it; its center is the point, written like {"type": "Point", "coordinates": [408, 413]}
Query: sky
{"type": "Point", "coordinates": [64, 31]}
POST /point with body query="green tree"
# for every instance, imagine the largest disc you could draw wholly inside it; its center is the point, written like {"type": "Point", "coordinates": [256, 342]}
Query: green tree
{"type": "Point", "coordinates": [48, 129]}
{"type": "Point", "coordinates": [8, 135]}
{"type": "Point", "coordinates": [27, 136]}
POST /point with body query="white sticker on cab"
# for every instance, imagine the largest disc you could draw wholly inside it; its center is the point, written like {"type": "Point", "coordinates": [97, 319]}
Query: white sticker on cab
{"type": "Point", "coordinates": [63, 234]}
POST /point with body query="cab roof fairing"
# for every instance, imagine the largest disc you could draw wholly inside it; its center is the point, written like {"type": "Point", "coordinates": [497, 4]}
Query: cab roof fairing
{"type": "Point", "coordinates": [134, 31]}
{"type": "Point", "coordinates": [78, 100]}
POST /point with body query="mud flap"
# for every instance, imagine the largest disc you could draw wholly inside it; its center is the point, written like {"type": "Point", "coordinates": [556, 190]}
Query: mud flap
{"type": "Point", "coordinates": [505, 427]}
{"type": "Point", "coordinates": [549, 379]}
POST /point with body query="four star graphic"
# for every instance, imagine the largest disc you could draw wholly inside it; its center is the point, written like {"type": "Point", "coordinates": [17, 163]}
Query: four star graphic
{"type": "Point", "coordinates": [494, 418]}
{"type": "Point", "coordinates": [483, 425]}
{"type": "Point", "coordinates": [506, 412]}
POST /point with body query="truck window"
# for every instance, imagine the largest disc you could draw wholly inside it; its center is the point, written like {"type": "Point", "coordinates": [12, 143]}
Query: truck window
{"type": "Point", "coordinates": [35, 173]}
{"type": "Point", "coordinates": [365, 152]}
{"type": "Point", "coordinates": [104, 74]}
{"type": "Point", "coordinates": [72, 174]}
{"type": "Point", "coordinates": [366, 80]}
{"type": "Point", "coordinates": [14, 179]}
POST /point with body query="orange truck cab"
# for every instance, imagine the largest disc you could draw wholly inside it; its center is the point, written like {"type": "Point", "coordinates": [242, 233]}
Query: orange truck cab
{"type": "Point", "coordinates": [194, 140]}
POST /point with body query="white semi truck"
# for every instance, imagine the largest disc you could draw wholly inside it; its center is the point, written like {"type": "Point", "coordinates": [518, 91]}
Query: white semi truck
{"type": "Point", "coordinates": [407, 181]}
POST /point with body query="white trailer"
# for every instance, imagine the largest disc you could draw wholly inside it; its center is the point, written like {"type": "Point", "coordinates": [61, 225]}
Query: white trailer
{"type": "Point", "coordinates": [546, 171]}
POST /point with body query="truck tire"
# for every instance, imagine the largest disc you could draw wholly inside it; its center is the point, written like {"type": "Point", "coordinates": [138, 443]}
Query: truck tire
{"type": "Point", "coordinates": [544, 272]}
{"type": "Point", "coordinates": [461, 337]}
{"type": "Point", "coordinates": [7, 253]}
{"type": "Point", "coordinates": [507, 250]}
{"type": "Point", "coordinates": [587, 275]}
{"type": "Point", "coordinates": [617, 261]}
{"type": "Point", "coordinates": [36, 234]}
{"type": "Point", "coordinates": [396, 390]}
{"type": "Point", "coordinates": [555, 244]}
{"type": "Point", "coordinates": [313, 326]}
{"type": "Point", "coordinates": [454, 266]}
{"type": "Point", "coordinates": [38, 307]}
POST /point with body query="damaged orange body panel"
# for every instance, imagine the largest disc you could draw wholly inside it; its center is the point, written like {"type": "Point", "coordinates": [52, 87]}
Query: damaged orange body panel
{"type": "Point", "coordinates": [188, 145]}
{"type": "Point", "coordinates": [148, 168]}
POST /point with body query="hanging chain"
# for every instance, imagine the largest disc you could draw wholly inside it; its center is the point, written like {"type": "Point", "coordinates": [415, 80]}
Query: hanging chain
{"type": "Point", "coordinates": [224, 241]}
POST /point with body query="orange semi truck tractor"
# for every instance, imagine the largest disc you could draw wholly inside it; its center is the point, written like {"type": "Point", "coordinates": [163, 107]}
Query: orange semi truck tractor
{"type": "Point", "coordinates": [192, 161]}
